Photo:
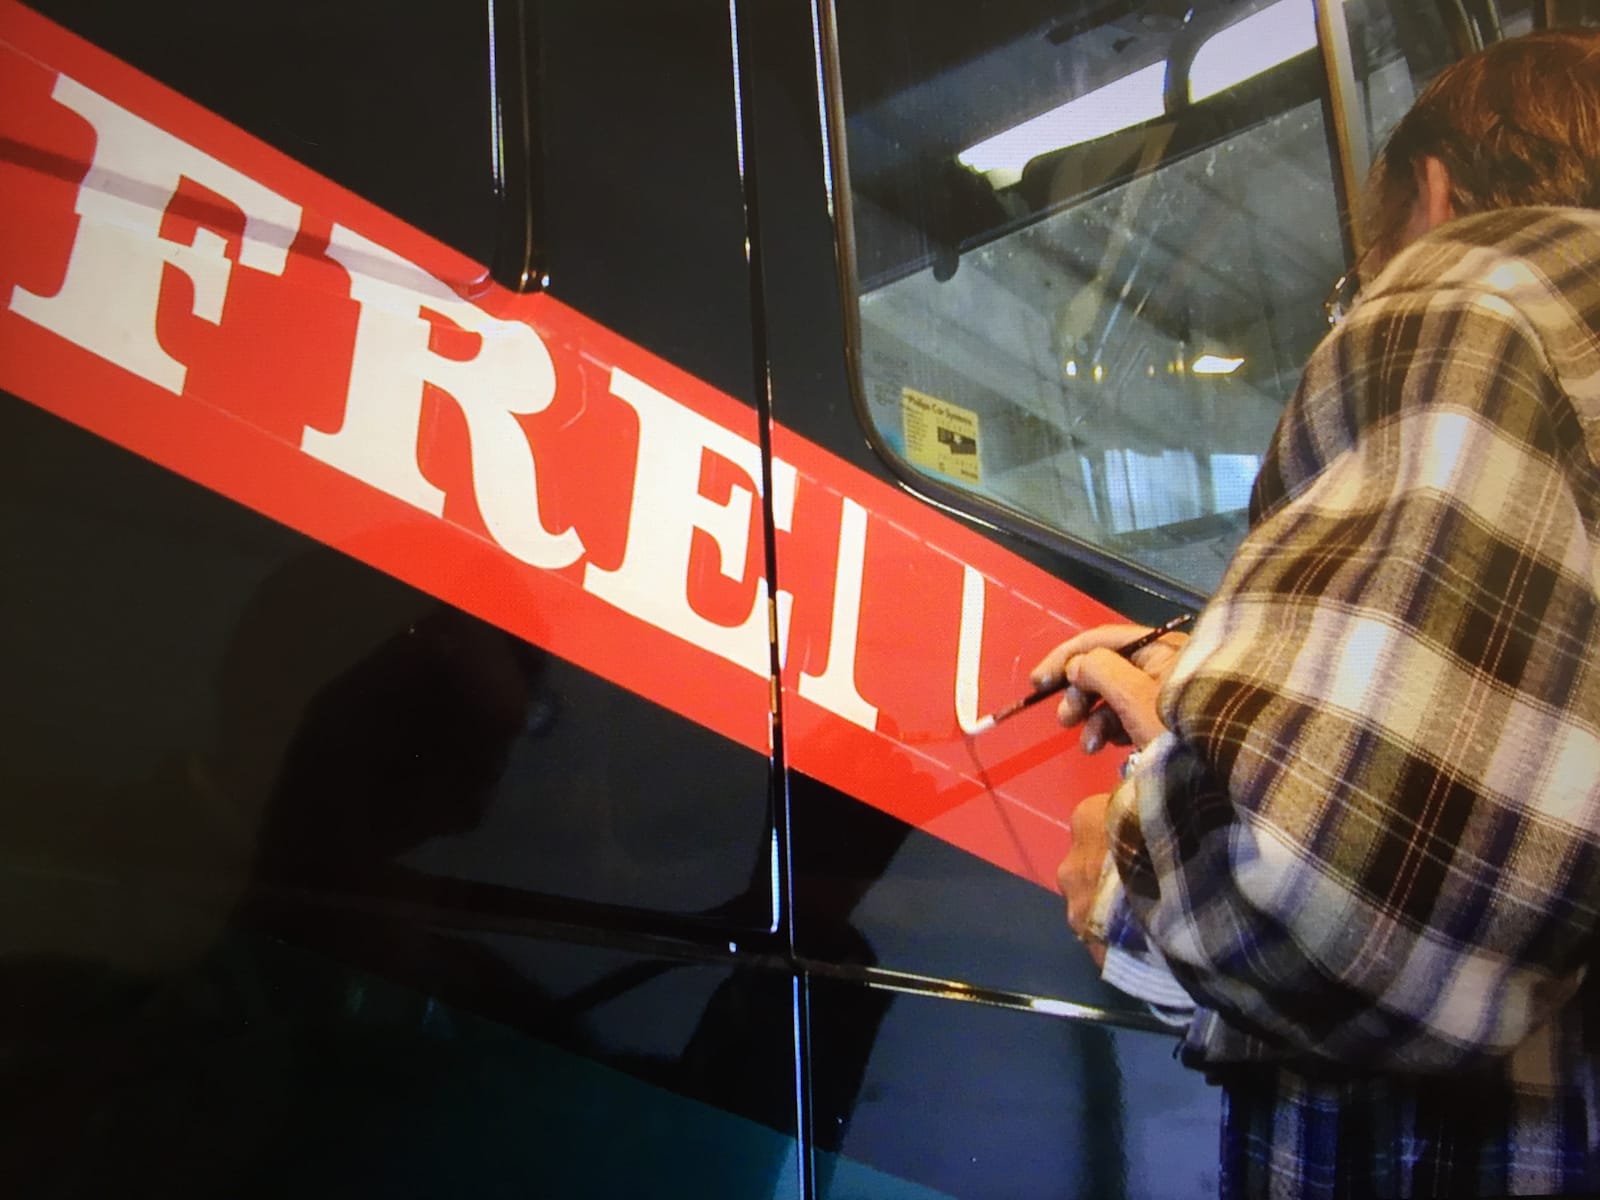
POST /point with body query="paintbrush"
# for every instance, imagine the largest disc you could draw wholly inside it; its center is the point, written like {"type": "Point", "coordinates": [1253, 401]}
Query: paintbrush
{"type": "Point", "coordinates": [1060, 685]}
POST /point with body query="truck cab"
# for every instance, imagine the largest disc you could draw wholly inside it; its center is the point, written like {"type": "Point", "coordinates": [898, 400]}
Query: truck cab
{"type": "Point", "coordinates": [512, 513]}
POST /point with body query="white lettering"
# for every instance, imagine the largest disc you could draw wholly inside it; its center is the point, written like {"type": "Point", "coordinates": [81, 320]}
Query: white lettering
{"type": "Point", "coordinates": [108, 300]}
{"type": "Point", "coordinates": [835, 689]}
{"type": "Point", "coordinates": [511, 374]}
{"type": "Point", "coordinates": [969, 651]}
{"type": "Point", "coordinates": [652, 580]}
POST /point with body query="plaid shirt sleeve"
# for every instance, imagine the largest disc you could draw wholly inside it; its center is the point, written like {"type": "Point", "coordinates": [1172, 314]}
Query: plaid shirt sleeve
{"type": "Point", "coordinates": [1372, 835]}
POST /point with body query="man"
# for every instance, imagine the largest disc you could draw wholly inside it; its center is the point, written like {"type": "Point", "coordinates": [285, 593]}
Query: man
{"type": "Point", "coordinates": [1363, 831]}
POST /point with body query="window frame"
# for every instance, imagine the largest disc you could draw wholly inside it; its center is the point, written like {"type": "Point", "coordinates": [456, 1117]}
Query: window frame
{"type": "Point", "coordinates": [1349, 159]}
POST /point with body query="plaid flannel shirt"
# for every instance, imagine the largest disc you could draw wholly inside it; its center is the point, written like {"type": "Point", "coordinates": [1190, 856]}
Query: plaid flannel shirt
{"type": "Point", "coordinates": [1369, 846]}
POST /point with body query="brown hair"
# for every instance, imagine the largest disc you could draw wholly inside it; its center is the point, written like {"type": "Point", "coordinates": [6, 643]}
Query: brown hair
{"type": "Point", "coordinates": [1517, 123]}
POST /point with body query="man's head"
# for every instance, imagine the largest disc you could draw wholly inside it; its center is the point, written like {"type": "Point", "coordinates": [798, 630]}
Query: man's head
{"type": "Point", "coordinates": [1517, 123]}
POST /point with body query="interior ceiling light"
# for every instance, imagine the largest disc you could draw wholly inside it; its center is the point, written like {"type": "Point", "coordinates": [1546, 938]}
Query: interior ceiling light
{"type": "Point", "coordinates": [1228, 57]}
{"type": "Point", "coordinates": [1131, 100]}
{"type": "Point", "coordinates": [1246, 48]}
{"type": "Point", "coordinates": [1215, 364]}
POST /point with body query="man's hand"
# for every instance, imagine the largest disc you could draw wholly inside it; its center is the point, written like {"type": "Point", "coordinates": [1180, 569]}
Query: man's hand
{"type": "Point", "coordinates": [1078, 876]}
{"type": "Point", "coordinates": [1095, 671]}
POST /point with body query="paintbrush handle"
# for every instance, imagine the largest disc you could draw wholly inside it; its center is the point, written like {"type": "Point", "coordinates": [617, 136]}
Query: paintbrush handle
{"type": "Point", "coordinates": [1060, 685]}
{"type": "Point", "coordinates": [1029, 700]}
{"type": "Point", "coordinates": [1156, 634]}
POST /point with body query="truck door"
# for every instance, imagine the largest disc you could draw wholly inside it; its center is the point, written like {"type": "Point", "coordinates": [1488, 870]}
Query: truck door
{"type": "Point", "coordinates": [1084, 251]}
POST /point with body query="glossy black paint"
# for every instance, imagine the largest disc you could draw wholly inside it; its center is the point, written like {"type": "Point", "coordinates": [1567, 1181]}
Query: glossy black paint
{"type": "Point", "coordinates": [255, 1067]}
{"type": "Point", "coordinates": [364, 897]}
{"type": "Point", "coordinates": [886, 895]}
{"type": "Point", "coordinates": [391, 101]}
{"type": "Point", "coordinates": [973, 1101]}
{"type": "Point", "coordinates": [193, 690]}
{"type": "Point", "coordinates": [641, 171]}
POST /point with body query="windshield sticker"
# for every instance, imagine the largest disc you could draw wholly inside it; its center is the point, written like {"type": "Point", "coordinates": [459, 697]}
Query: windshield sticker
{"type": "Point", "coordinates": [940, 437]}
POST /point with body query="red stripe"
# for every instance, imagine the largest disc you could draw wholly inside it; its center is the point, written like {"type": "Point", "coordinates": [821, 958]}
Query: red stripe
{"type": "Point", "coordinates": [280, 361]}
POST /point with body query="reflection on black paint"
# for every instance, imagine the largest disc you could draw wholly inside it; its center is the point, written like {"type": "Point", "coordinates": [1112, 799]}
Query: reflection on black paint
{"type": "Point", "coordinates": [872, 891]}
{"type": "Point", "coordinates": [1053, 1112]}
{"type": "Point", "coordinates": [237, 1052]}
{"type": "Point", "coordinates": [971, 1101]}
{"type": "Point", "coordinates": [407, 744]}
{"type": "Point", "coordinates": [261, 1070]}
{"type": "Point", "coordinates": [217, 975]}
{"type": "Point", "coordinates": [323, 84]}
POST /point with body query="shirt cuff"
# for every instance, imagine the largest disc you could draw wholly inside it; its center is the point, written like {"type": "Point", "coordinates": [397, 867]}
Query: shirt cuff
{"type": "Point", "coordinates": [1135, 967]}
{"type": "Point", "coordinates": [1147, 978]}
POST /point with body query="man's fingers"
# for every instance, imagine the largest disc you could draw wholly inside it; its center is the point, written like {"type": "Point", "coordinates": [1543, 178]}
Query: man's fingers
{"type": "Point", "coordinates": [1102, 728]}
{"type": "Point", "coordinates": [1076, 895]}
{"type": "Point", "coordinates": [1074, 706]}
{"type": "Point", "coordinates": [1101, 637]}
{"type": "Point", "coordinates": [1127, 691]}
{"type": "Point", "coordinates": [1078, 875]}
